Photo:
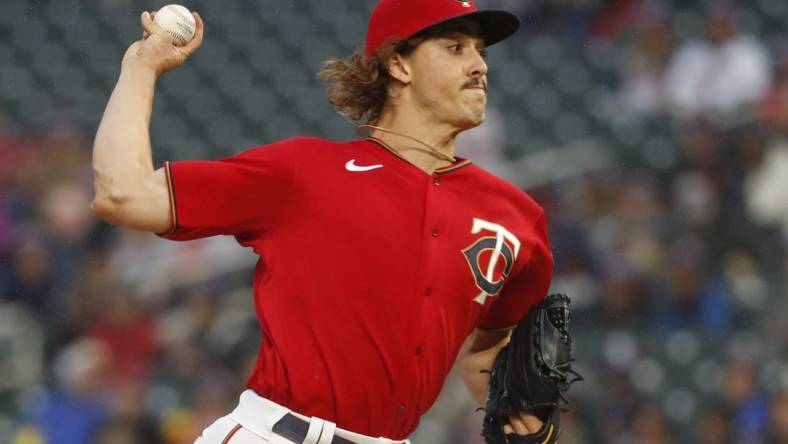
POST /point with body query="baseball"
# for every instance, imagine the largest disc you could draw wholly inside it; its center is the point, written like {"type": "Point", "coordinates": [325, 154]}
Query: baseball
{"type": "Point", "coordinates": [178, 22]}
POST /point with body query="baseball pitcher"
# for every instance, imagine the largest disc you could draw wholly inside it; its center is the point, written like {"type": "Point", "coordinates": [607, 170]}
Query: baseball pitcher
{"type": "Point", "coordinates": [382, 260]}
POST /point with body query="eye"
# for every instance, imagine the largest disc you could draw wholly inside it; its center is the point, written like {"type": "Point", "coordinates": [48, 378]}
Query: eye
{"type": "Point", "coordinates": [455, 48]}
{"type": "Point", "coordinates": [482, 52]}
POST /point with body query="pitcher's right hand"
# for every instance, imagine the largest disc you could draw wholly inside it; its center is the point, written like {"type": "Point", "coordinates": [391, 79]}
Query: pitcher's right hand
{"type": "Point", "coordinates": [156, 51]}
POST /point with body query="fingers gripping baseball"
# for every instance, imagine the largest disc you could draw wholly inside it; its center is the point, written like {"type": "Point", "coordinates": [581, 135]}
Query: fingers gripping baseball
{"type": "Point", "coordinates": [145, 33]}
{"type": "Point", "coordinates": [157, 51]}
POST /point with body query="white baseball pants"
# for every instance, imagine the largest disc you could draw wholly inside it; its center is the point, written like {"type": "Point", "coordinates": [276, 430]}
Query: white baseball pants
{"type": "Point", "coordinates": [253, 420]}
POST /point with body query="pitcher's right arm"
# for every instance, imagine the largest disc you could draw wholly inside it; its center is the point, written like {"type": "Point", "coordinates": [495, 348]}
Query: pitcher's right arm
{"type": "Point", "coordinates": [128, 191]}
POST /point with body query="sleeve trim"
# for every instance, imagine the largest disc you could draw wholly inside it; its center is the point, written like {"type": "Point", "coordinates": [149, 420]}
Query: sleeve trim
{"type": "Point", "coordinates": [173, 205]}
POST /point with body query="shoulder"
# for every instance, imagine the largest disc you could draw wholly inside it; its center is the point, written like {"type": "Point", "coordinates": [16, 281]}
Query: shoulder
{"type": "Point", "coordinates": [505, 191]}
{"type": "Point", "coordinates": [299, 147]}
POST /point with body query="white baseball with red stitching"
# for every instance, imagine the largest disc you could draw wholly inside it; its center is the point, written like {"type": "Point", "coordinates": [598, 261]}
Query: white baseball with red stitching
{"type": "Point", "coordinates": [178, 22]}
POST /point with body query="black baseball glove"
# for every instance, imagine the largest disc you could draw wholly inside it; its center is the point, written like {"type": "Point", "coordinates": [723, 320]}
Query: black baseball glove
{"type": "Point", "coordinates": [531, 373]}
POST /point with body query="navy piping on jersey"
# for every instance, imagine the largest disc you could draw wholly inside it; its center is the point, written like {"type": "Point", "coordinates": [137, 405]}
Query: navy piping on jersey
{"type": "Point", "coordinates": [173, 204]}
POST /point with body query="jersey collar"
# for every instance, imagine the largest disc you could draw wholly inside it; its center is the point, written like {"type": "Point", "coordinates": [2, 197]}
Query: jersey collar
{"type": "Point", "coordinates": [458, 163]}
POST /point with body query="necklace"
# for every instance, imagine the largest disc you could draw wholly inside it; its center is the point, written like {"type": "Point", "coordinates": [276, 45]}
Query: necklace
{"type": "Point", "coordinates": [430, 149]}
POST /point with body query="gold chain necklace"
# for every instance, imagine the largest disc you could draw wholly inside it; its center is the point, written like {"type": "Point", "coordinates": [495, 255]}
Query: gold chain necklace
{"type": "Point", "coordinates": [432, 150]}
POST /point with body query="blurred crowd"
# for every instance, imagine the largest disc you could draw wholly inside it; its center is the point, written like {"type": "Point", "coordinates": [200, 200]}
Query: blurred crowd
{"type": "Point", "coordinates": [674, 253]}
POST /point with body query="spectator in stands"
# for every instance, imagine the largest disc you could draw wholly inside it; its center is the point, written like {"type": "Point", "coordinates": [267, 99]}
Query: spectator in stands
{"type": "Point", "coordinates": [130, 422]}
{"type": "Point", "coordinates": [29, 280]}
{"type": "Point", "coordinates": [129, 332]}
{"type": "Point", "coordinates": [720, 74]}
{"type": "Point", "coordinates": [713, 427]}
{"type": "Point", "coordinates": [754, 237]}
{"type": "Point", "coordinates": [644, 62]}
{"type": "Point", "coordinates": [748, 407]}
{"type": "Point", "coordinates": [75, 412]}
{"type": "Point", "coordinates": [698, 299]}
{"type": "Point", "coordinates": [649, 426]}
{"type": "Point", "coordinates": [766, 186]}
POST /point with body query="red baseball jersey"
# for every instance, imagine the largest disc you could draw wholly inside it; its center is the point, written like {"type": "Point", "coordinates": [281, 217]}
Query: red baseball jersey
{"type": "Point", "coordinates": [372, 272]}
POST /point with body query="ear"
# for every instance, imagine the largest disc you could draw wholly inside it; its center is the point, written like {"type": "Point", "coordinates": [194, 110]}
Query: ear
{"type": "Point", "coordinates": [399, 68]}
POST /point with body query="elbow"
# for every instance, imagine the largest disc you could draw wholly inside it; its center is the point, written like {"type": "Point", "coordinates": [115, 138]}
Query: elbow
{"type": "Point", "coordinates": [109, 196]}
{"type": "Point", "coordinates": [104, 208]}
{"type": "Point", "coordinates": [107, 205]}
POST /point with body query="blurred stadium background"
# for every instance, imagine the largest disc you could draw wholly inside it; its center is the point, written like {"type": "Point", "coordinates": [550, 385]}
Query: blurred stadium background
{"type": "Point", "coordinates": [653, 132]}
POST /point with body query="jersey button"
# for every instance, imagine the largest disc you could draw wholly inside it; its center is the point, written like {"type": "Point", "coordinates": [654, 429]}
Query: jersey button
{"type": "Point", "coordinates": [401, 409]}
{"type": "Point", "coordinates": [427, 291]}
{"type": "Point", "coordinates": [434, 232]}
{"type": "Point", "coordinates": [436, 181]}
{"type": "Point", "coordinates": [418, 350]}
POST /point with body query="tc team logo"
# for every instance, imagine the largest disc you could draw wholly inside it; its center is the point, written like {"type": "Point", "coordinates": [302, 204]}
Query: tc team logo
{"type": "Point", "coordinates": [502, 246]}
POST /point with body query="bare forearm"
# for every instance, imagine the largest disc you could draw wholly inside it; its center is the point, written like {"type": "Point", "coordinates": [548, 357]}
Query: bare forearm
{"type": "Point", "coordinates": [474, 372]}
{"type": "Point", "coordinates": [476, 360]}
{"type": "Point", "coordinates": [122, 149]}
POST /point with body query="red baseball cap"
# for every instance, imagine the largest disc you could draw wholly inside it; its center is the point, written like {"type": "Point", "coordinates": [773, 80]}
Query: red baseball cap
{"type": "Point", "coordinates": [396, 20]}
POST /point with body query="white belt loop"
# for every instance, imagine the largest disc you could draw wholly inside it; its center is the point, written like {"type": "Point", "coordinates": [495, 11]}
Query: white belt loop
{"type": "Point", "coordinates": [315, 429]}
{"type": "Point", "coordinates": [328, 432]}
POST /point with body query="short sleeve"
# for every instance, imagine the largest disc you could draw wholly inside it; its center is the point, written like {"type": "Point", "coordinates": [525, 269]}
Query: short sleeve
{"type": "Point", "coordinates": [232, 196]}
{"type": "Point", "coordinates": [525, 289]}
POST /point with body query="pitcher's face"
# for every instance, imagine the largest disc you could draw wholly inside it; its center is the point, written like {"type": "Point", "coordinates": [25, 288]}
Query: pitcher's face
{"type": "Point", "coordinates": [449, 78]}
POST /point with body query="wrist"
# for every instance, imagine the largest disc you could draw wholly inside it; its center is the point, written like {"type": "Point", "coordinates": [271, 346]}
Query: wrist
{"type": "Point", "coordinates": [139, 71]}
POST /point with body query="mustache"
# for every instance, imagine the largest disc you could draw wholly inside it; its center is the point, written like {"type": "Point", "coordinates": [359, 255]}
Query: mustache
{"type": "Point", "coordinates": [474, 82]}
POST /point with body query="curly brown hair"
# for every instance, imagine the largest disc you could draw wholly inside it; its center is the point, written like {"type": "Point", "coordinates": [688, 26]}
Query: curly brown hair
{"type": "Point", "coordinates": [358, 87]}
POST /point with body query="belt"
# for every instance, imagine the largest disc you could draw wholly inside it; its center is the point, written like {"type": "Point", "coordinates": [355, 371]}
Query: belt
{"type": "Point", "coordinates": [295, 429]}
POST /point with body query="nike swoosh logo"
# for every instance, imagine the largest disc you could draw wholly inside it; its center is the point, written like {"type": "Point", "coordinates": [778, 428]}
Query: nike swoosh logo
{"type": "Point", "coordinates": [351, 166]}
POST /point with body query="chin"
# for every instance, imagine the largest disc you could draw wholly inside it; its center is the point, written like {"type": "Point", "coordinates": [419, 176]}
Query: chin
{"type": "Point", "coordinates": [469, 116]}
{"type": "Point", "coordinates": [474, 119]}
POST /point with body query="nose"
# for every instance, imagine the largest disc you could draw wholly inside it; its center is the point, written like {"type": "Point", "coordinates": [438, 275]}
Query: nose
{"type": "Point", "coordinates": [478, 67]}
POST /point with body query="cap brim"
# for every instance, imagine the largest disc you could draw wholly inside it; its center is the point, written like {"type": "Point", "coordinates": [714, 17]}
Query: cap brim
{"type": "Point", "coordinates": [495, 25]}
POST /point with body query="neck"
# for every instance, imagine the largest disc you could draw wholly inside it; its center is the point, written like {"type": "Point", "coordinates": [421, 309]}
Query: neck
{"type": "Point", "coordinates": [438, 137]}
